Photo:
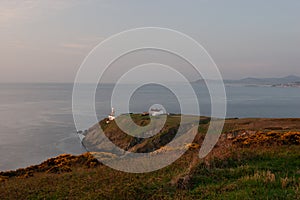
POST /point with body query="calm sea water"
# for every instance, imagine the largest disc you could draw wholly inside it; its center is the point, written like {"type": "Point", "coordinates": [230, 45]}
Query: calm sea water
{"type": "Point", "coordinates": [36, 119]}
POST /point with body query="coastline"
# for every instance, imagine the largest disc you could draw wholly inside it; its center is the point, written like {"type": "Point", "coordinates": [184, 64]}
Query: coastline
{"type": "Point", "coordinates": [256, 154]}
{"type": "Point", "coordinates": [247, 125]}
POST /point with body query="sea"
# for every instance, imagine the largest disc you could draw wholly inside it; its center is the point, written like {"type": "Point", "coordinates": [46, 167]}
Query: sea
{"type": "Point", "coordinates": [36, 120]}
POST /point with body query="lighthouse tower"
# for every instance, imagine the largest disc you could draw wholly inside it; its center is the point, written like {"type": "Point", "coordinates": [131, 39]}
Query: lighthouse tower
{"type": "Point", "coordinates": [111, 117]}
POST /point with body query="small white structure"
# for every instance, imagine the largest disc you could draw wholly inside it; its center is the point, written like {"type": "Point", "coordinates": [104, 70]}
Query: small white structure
{"type": "Point", "coordinates": [112, 117]}
{"type": "Point", "coordinates": [156, 112]}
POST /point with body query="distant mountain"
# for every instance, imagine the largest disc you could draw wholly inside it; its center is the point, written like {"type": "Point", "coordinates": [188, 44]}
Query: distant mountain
{"type": "Point", "coordinates": [259, 81]}
{"type": "Point", "coordinates": [266, 81]}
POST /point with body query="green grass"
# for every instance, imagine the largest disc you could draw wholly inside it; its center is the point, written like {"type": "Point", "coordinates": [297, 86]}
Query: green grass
{"type": "Point", "coordinates": [265, 173]}
{"type": "Point", "coordinates": [231, 171]}
{"type": "Point", "coordinates": [249, 174]}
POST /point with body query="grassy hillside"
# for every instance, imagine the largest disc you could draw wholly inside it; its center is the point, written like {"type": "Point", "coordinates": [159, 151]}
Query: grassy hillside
{"type": "Point", "coordinates": [254, 159]}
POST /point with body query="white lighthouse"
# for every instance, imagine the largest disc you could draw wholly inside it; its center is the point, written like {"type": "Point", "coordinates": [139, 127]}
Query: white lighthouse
{"type": "Point", "coordinates": [112, 117]}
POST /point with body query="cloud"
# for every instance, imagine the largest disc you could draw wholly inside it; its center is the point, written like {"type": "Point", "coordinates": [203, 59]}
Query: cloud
{"type": "Point", "coordinates": [81, 45]}
{"type": "Point", "coordinates": [10, 10]}
{"type": "Point", "coordinates": [24, 10]}
{"type": "Point", "coordinates": [74, 45]}
{"type": "Point", "coordinates": [83, 42]}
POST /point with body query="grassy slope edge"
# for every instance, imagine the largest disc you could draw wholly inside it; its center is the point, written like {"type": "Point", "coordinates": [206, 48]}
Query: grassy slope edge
{"type": "Point", "coordinates": [254, 159]}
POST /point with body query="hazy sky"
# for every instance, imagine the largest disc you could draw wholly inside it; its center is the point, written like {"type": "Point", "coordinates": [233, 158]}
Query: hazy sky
{"type": "Point", "coordinates": [46, 41]}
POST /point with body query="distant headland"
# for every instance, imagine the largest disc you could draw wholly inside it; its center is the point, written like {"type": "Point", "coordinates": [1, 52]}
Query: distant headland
{"type": "Point", "coordinates": [287, 81]}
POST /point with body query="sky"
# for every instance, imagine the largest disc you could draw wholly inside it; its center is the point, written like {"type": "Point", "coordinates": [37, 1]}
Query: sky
{"type": "Point", "coordinates": [47, 40]}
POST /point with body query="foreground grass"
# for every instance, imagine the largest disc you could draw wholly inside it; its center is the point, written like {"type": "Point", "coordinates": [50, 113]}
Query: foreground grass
{"type": "Point", "coordinates": [253, 159]}
{"type": "Point", "coordinates": [264, 174]}
{"type": "Point", "coordinates": [261, 173]}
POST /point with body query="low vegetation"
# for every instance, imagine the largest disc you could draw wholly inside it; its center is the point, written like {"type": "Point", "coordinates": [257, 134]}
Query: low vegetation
{"type": "Point", "coordinates": [254, 159]}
